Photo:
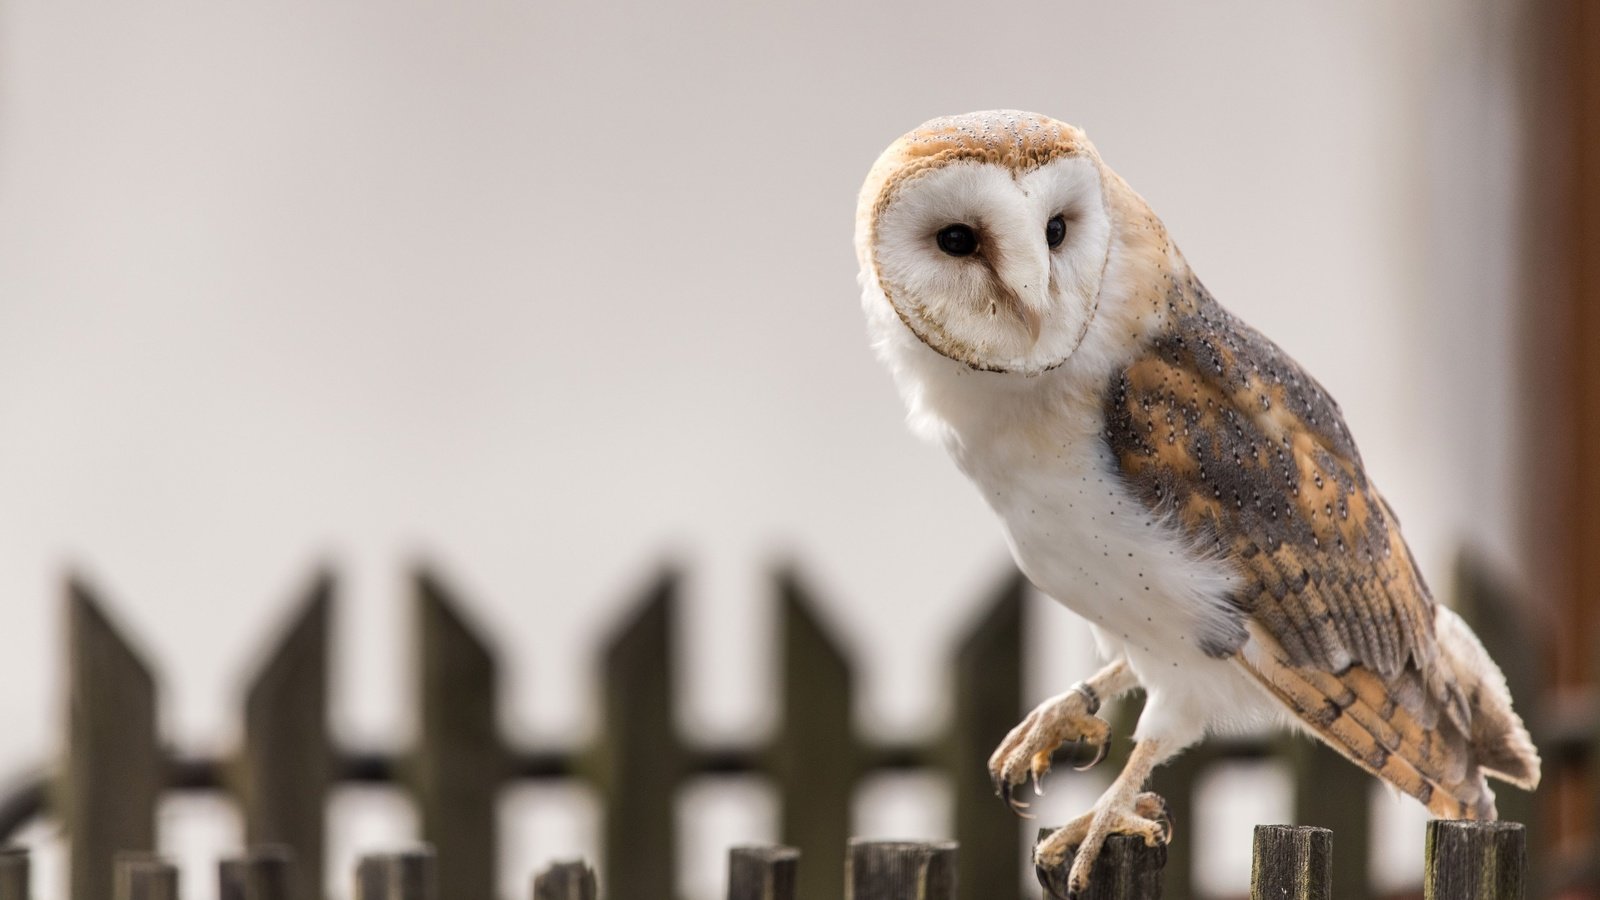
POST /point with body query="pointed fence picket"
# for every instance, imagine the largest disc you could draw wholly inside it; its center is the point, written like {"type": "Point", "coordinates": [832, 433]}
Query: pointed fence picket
{"type": "Point", "coordinates": [285, 765]}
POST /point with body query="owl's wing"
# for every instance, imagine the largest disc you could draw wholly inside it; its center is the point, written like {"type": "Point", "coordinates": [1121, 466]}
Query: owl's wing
{"type": "Point", "coordinates": [1222, 432]}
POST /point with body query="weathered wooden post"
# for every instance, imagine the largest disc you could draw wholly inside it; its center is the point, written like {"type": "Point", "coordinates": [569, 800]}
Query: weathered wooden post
{"type": "Point", "coordinates": [1127, 869]}
{"type": "Point", "coordinates": [1333, 793]}
{"type": "Point", "coordinates": [816, 759]}
{"type": "Point", "coordinates": [14, 874]}
{"type": "Point", "coordinates": [900, 870]}
{"type": "Point", "coordinates": [140, 876]}
{"type": "Point", "coordinates": [114, 770]}
{"type": "Point", "coordinates": [641, 759]}
{"type": "Point", "coordinates": [1292, 862]}
{"type": "Point", "coordinates": [761, 873]}
{"type": "Point", "coordinates": [408, 875]}
{"type": "Point", "coordinates": [286, 762]}
{"type": "Point", "coordinates": [459, 762]}
{"type": "Point", "coordinates": [1474, 861]}
{"type": "Point", "coordinates": [265, 873]}
{"type": "Point", "coordinates": [565, 881]}
{"type": "Point", "coordinates": [988, 702]}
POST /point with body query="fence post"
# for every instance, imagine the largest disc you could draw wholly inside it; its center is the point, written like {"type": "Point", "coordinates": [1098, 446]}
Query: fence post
{"type": "Point", "coordinates": [113, 773]}
{"type": "Point", "coordinates": [897, 870]}
{"type": "Point", "coordinates": [1127, 869]}
{"type": "Point", "coordinates": [565, 881]}
{"type": "Point", "coordinates": [286, 762]}
{"type": "Point", "coordinates": [1291, 862]}
{"type": "Point", "coordinates": [988, 702]}
{"type": "Point", "coordinates": [761, 873]}
{"type": "Point", "coordinates": [265, 873]}
{"type": "Point", "coordinates": [409, 875]}
{"type": "Point", "coordinates": [1332, 792]}
{"type": "Point", "coordinates": [459, 762]}
{"type": "Point", "coordinates": [640, 750]}
{"type": "Point", "coordinates": [139, 876]}
{"type": "Point", "coordinates": [14, 874]}
{"type": "Point", "coordinates": [1474, 861]}
{"type": "Point", "coordinates": [816, 759]}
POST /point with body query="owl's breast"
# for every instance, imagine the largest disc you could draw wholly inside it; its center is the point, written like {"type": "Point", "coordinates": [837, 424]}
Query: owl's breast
{"type": "Point", "coordinates": [1082, 536]}
{"type": "Point", "coordinates": [1148, 592]}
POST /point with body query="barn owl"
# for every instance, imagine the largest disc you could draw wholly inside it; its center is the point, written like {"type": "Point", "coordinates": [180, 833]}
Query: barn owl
{"type": "Point", "coordinates": [1166, 472]}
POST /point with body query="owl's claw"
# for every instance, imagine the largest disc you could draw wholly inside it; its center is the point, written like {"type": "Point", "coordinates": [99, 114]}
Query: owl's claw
{"type": "Point", "coordinates": [1100, 752]}
{"type": "Point", "coordinates": [1025, 753]}
{"type": "Point", "coordinates": [1018, 805]}
{"type": "Point", "coordinates": [1151, 805]}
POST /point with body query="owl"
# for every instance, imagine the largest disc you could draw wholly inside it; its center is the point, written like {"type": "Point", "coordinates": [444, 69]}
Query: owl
{"type": "Point", "coordinates": [1166, 472]}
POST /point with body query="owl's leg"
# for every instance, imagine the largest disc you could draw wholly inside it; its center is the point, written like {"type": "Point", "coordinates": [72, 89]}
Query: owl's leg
{"type": "Point", "coordinates": [1066, 717]}
{"type": "Point", "coordinates": [1123, 809]}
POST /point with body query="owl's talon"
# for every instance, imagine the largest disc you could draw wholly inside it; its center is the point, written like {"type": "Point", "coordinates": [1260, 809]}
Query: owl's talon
{"type": "Point", "coordinates": [1038, 767]}
{"type": "Point", "coordinates": [1026, 752]}
{"type": "Point", "coordinates": [1017, 804]}
{"type": "Point", "coordinates": [1153, 806]}
{"type": "Point", "coordinates": [1103, 748]}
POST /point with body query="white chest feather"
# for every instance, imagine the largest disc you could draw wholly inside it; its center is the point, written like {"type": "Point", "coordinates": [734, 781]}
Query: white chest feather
{"type": "Point", "coordinates": [1034, 449]}
{"type": "Point", "coordinates": [1083, 538]}
{"type": "Point", "coordinates": [1147, 591]}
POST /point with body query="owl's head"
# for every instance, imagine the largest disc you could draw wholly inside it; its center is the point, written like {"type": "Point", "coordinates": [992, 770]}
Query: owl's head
{"type": "Point", "coordinates": [988, 235]}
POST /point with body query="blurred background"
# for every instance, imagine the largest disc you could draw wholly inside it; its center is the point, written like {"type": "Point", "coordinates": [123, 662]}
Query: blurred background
{"type": "Point", "coordinates": [553, 294]}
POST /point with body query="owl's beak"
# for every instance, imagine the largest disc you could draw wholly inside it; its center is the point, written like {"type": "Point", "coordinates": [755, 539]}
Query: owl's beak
{"type": "Point", "coordinates": [1029, 314]}
{"type": "Point", "coordinates": [1032, 319]}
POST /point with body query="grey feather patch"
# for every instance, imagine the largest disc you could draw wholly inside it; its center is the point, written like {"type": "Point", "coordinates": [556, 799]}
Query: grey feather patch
{"type": "Point", "coordinates": [1226, 638]}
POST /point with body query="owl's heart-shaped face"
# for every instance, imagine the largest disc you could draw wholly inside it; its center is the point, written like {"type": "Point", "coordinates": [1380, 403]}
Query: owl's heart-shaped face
{"type": "Point", "coordinates": [989, 238]}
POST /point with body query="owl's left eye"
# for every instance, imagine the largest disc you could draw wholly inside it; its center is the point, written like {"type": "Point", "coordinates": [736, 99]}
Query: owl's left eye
{"type": "Point", "coordinates": [957, 240]}
{"type": "Point", "coordinates": [1055, 231]}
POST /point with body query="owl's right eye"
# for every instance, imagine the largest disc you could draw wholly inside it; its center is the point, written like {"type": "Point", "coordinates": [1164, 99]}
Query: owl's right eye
{"type": "Point", "coordinates": [958, 240]}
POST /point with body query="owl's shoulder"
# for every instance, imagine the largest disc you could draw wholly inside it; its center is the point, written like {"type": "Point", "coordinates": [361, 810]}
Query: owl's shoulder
{"type": "Point", "coordinates": [1212, 399]}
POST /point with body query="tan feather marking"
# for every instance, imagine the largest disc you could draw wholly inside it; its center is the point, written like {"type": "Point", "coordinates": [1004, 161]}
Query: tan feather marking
{"type": "Point", "coordinates": [1342, 711]}
{"type": "Point", "coordinates": [1217, 424]}
{"type": "Point", "coordinates": [1441, 756]}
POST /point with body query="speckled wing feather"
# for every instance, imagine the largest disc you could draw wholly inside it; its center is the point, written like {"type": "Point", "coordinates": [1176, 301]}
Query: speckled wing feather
{"type": "Point", "coordinates": [1221, 431]}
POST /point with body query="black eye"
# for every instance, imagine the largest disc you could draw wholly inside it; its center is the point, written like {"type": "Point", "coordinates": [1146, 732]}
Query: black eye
{"type": "Point", "coordinates": [1055, 231]}
{"type": "Point", "coordinates": [958, 240]}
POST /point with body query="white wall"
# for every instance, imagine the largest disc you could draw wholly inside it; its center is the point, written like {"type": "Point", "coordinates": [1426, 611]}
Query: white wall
{"type": "Point", "coordinates": [553, 293]}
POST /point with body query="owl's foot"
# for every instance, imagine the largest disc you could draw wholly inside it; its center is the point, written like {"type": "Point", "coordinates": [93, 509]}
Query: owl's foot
{"type": "Point", "coordinates": [1143, 815]}
{"type": "Point", "coordinates": [1026, 751]}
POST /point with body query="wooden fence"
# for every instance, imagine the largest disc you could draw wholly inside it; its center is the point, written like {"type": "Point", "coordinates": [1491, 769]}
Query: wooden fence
{"type": "Point", "coordinates": [104, 789]}
{"type": "Point", "coordinates": [1463, 861]}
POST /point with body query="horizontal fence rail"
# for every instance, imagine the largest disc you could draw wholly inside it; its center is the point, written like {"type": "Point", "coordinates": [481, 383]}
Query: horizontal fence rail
{"type": "Point", "coordinates": [103, 790]}
{"type": "Point", "coordinates": [1463, 861]}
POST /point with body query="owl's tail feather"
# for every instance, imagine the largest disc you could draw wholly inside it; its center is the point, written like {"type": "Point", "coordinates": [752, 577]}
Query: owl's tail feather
{"type": "Point", "coordinates": [1393, 730]}
{"type": "Point", "coordinates": [1499, 740]}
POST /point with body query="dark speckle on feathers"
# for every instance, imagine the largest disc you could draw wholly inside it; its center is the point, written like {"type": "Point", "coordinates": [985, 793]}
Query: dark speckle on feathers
{"type": "Point", "coordinates": [1218, 427]}
{"type": "Point", "coordinates": [1191, 433]}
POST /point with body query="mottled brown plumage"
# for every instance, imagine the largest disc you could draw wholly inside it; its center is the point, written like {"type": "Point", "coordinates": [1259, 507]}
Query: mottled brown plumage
{"type": "Point", "coordinates": [1219, 429]}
